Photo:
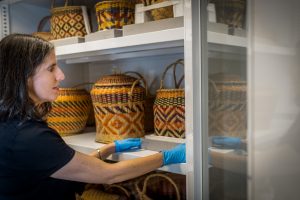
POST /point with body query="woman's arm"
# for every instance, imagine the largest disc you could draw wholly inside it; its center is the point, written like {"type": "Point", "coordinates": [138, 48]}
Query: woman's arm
{"type": "Point", "coordinates": [89, 169]}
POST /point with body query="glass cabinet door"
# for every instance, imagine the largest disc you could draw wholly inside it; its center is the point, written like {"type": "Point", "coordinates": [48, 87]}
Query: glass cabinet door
{"type": "Point", "coordinates": [227, 99]}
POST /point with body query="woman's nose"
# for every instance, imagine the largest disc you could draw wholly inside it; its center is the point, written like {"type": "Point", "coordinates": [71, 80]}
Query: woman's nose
{"type": "Point", "coordinates": [60, 74]}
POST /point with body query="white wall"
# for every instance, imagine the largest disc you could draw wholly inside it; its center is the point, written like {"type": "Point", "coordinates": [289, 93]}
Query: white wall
{"type": "Point", "coordinates": [274, 81]}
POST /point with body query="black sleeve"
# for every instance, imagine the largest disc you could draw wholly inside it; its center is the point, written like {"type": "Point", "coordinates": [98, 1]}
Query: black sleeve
{"type": "Point", "coordinates": [40, 151]}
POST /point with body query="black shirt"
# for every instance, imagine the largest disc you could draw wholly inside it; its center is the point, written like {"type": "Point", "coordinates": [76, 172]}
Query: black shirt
{"type": "Point", "coordinates": [29, 153]}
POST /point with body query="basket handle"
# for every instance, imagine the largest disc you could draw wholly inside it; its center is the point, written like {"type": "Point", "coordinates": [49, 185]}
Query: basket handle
{"type": "Point", "coordinates": [140, 77]}
{"type": "Point", "coordinates": [133, 86]}
{"type": "Point", "coordinates": [42, 23]}
{"type": "Point", "coordinates": [53, 2]}
{"type": "Point", "coordinates": [143, 192]}
{"type": "Point", "coordinates": [177, 84]}
{"type": "Point", "coordinates": [108, 187]}
{"type": "Point", "coordinates": [213, 85]}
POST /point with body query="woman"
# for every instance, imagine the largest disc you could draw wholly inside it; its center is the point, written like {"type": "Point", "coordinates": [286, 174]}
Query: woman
{"type": "Point", "coordinates": [35, 162]}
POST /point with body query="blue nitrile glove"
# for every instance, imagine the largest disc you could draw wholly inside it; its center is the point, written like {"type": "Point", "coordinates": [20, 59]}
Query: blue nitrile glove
{"type": "Point", "coordinates": [174, 155]}
{"type": "Point", "coordinates": [127, 144]}
{"type": "Point", "coordinates": [226, 142]}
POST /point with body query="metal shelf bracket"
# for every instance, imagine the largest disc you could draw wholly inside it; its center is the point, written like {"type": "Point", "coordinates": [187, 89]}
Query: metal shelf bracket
{"type": "Point", "coordinates": [4, 20]}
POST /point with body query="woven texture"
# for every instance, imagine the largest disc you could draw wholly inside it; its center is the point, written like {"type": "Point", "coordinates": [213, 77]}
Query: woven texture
{"type": "Point", "coordinates": [114, 14]}
{"type": "Point", "coordinates": [119, 105]}
{"type": "Point", "coordinates": [67, 21]}
{"type": "Point", "coordinates": [227, 106]}
{"type": "Point", "coordinates": [169, 108]}
{"type": "Point", "coordinates": [70, 111]}
{"type": "Point", "coordinates": [159, 13]}
{"type": "Point", "coordinates": [149, 102]}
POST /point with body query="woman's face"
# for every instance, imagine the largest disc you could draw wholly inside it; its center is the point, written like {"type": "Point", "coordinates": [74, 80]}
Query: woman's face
{"type": "Point", "coordinates": [43, 85]}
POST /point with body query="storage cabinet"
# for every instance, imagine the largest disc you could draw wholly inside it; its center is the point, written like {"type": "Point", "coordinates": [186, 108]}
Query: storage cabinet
{"type": "Point", "coordinates": [212, 173]}
{"type": "Point", "coordinates": [147, 53]}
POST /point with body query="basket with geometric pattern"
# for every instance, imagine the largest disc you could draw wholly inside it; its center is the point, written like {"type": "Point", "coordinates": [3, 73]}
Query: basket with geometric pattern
{"type": "Point", "coordinates": [169, 107]}
{"type": "Point", "coordinates": [119, 106]}
{"type": "Point", "coordinates": [70, 111]}
{"type": "Point", "coordinates": [114, 14]}
{"type": "Point", "coordinates": [149, 101]}
{"type": "Point", "coordinates": [227, 106]}
{"type": "Point", "coordinates": [68, 21]}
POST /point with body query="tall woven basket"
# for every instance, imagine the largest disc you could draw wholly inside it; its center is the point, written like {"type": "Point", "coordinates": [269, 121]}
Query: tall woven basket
{"type": "Point", "coordinates": [68, 21]}
{"type": "Point", "coordinates": [227, 106]}
{"type": "Point", "coordinates": [119, 105]}
{"type": "Point", "coordinates": [149, 102]}
{"type": "Point", "coordinates": [70, 111]}
{"type": "Point", "coordinates": [169, 107]}
{"type": "Point", "coordinates": [114, 14]}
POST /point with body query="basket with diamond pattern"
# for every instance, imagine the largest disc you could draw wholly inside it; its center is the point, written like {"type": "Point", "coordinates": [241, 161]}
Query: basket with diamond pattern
{"type": "Point", "coordinates": [119, 106]}
{"type": "Point", "coordinates": [68, 21]}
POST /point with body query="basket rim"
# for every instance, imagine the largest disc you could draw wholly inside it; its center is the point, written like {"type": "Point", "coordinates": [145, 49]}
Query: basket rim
{"type": "Point", "coordinates": [64, 8]}
{"type": "Point", "coordinates": [115, 1]}
{"type": "Point", "coordinates": [71, 89]}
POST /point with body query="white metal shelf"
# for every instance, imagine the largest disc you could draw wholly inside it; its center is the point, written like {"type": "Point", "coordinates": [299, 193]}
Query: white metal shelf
{"type": "Point", "coordinates": [85, 143]}
{"type": "Point", "coordinates": [164, 42]}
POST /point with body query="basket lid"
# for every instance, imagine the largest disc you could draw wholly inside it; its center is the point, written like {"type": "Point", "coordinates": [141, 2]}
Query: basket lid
{"type": "Point", "coordinates": [115, 80]}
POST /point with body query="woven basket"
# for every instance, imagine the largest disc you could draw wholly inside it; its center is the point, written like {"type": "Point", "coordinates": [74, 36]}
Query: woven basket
{"type": "Point", "coordinates": [149, 102]}
{"type": "Point", "coordinates": [159, 13]}
{"type": "Point", "coordinates": [169, 108]}
{"type": "Point", "coordinates": [231, 12]}
{"type": "Point", "coordinates": [114, 14]}
{"type": "Point", "coordinates": [106, 192]}
{"type": "Point", "coordinates": [68, 21]}
{"type": "Point", "coordinates": [119, 106]}
{"type": "Point", "coordinates": [43, 34]}
{"type": "Point", "coordinates": [70, 111]}
{"type": "Point", "coordinates": [227, 106]}
{"type": "Point", "coordinates": [143, 192]}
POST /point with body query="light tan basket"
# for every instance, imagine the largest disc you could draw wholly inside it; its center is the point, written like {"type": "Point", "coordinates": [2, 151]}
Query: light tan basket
{"type": "Point", "coordinates": [169, 107]}
{"type": "Point", "coordinates": [68, 21]}
{"type": "Point", "coordinates": [70, 111]}
{"type": "Point", "coordinates": [43, 34]}
{"type": "Point", "coordinates": [119, 106]}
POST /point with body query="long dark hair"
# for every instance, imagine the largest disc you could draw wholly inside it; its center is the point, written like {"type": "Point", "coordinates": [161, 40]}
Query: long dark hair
{"type": "Point", "coordinates": [20, 55]}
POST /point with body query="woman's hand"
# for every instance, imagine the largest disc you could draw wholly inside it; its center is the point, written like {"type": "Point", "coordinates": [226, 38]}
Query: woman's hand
{"type": "Point", "coordinates": [127, 144]}
{"type": "Point", "coordinates": [174, 155]}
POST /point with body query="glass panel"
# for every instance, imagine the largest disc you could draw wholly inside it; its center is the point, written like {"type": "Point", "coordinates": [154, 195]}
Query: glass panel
{"type": "Point", "coordinates": [227, 99]}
